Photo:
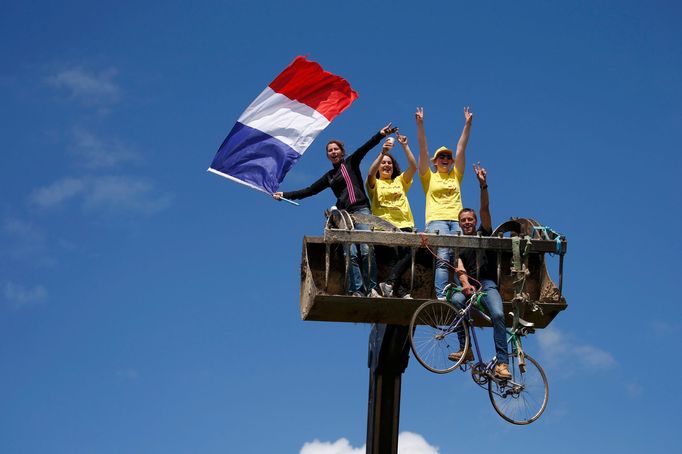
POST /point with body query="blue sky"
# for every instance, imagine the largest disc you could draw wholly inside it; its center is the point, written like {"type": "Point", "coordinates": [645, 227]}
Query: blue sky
{"type": "Point", "coordinates": [148, 306]}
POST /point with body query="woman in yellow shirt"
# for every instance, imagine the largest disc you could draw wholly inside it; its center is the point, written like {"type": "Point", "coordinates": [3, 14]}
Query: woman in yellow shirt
{"type": "Point", "coordinates": [442, 189]}
{"type": "Point", "coordinates": [387, 188]}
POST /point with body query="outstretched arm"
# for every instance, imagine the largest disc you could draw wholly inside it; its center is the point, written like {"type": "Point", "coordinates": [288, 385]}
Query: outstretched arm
{"type": "Point", "coordinates": [356, 157]}
{"type": "Point", "coordinates": [409, 173]}
{"type": "Point", "coordinates": [486, 220]}
{"type": "Point", "coordinates": [421, 138]}
{"type": "Point", "coordinates": [316, 187]}
{"type": "Point", "coordinates": [460, 154]}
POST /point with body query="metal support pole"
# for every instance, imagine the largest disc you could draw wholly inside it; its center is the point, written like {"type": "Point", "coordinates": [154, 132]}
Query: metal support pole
{"type": "Point", "coordinates": [387, 360]}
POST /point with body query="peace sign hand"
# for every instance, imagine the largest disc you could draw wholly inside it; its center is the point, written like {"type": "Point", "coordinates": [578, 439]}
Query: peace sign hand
{"type": "Point", "coordinates": [419, 115]}
{"type": "Point", "coordinates": [388, 129]}
{"type": "Point", "coordinates": [468, 115]}
{"type": "Point", "coordinates": [480, 174]}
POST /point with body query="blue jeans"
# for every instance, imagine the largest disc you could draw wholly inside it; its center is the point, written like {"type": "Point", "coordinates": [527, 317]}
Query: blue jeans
{"type": "Point", "coordinates": [362, 275]}
{"type": "Point", "coordinates": [444, 254]}
{"type": "Point", "coordinates": [493, 303]}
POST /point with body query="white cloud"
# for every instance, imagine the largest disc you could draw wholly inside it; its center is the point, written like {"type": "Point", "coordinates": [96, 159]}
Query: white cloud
{"type": "Point", "coordinates": [408, 443]}
{"type": "Point", "coordinates": [20, 296]}
{"type": "Point", "coordinates": [23, 241]}
{"type": "Point", "coordinates": [560, 348]}
{"type": "Point", "coordinates": [412, 443]}
{"type": "Point", "coordinates": [21, 229]}
{"type": "Point", "coordinates": [125, 193]}
{"type": "Point", "coordinates": [128, 374]}
{"type": "Point", "coordinates": [662, 328]}
{"type": "Point", "coordinates": [633, 389]}
{"type": "Point", "coordinates": [90, 87]}
{"type": "Point", "coordinates": [58, 192]}
{"type": "Point", "coordinates": [109, 193]}
{"type": "Point", "coordinates": [340, 446]}
{"type": "Point", "coordinates": [93, 152]}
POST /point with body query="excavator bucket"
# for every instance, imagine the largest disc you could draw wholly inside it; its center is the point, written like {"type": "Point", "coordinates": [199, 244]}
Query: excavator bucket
{"type": "Point", "coordinates": [521, 244]}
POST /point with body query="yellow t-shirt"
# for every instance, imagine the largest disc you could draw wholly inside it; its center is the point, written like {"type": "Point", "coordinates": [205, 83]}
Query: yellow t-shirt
{"type": "Point", "coordinates": [389, 201]}
{"type": "Point", "coordinates": [443, 196]}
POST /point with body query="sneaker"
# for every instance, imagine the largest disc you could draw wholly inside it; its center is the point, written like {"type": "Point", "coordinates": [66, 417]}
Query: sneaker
{"type": "Point", "coordinates": [386, 289]}
{"type": "Point", "coordinates": [407, 296]}
{"type": "Point", "coordinates": [373, 293]}
{"type": "Point", "coordinates": [455, 356]}
{"type": "Point", "coordinates": [502, 371]}
{"type": "Point", "coordinates": [441, 298]}
{"type": "Point", "coordinates": [357, 294]}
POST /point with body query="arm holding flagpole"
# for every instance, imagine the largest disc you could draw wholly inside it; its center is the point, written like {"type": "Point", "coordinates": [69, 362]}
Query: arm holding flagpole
{"type": "Point", "coordinates": [315, 188]}
{"type": "Point", "coordinates": [278, 196]}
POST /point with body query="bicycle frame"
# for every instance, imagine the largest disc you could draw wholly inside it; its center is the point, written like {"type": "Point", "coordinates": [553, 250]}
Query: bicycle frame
{"type": "Point", "coordinates": [513, 339]}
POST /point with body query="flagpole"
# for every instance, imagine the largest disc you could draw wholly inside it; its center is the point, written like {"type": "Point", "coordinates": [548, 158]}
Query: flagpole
{"type": "Point", "coordinates": [290, 201]}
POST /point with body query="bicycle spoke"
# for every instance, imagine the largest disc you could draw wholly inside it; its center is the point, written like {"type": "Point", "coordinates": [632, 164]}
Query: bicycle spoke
{"type": "Point", "coordinates": [431, 338]}
{"type": "Point", "coordinates": [522, 399]}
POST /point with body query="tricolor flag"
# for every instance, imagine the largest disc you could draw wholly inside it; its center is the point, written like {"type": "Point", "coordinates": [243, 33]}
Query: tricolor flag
{"type": "Point", "coordinates": [276, 129]}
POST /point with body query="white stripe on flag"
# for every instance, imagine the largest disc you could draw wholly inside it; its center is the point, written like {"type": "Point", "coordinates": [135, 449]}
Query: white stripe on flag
{"type": "Point", "coordinates": [289, 121]}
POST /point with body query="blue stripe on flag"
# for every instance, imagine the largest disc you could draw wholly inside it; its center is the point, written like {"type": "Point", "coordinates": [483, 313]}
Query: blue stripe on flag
{"type": "Point", "coordinates": [254, 157]}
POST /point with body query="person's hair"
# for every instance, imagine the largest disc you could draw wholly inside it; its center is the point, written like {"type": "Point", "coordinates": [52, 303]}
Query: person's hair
{"type": "Point", "coordinates": [337, 142]}
{"type": "Point", "coordinates": [467, 210]}
{"type": "Point", "coordinates": [396, 167]}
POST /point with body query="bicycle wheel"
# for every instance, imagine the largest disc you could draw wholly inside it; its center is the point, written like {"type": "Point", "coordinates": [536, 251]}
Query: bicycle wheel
{"type": "Point", "coordinates": [521, 399]}
{"type": "Point", "coordinates": [433, 336]}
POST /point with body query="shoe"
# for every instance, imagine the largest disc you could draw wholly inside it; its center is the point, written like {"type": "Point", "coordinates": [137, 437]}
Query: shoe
{"type": "Point", "coordinates": [357, 294]}
{"type": "Point", "coordinates": [386, 289]}
{"type": "Point", "coordinates": [407, 296]}
{"type": "Point", "coordinates": [502, 371]}
{"type": "Point", "coordinates": [441, 298]}
{"type": "Point", "coordinates": [455, 356]}
{"type": "Point", "coordinates": [374, 294]}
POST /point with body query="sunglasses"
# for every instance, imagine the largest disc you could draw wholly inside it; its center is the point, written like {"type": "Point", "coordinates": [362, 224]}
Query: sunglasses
{"type": "Point", "coordinates": [445, 156]}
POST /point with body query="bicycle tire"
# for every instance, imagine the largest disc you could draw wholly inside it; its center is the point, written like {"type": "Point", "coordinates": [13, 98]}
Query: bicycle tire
{"type": "Point", "coordinates": [522, 406]}
{"type": "Point", "coordinates": [433, 336]}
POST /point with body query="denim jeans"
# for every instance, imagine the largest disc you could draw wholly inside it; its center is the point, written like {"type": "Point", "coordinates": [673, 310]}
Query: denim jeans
{"type": "Point", "coordinates": [493, 303]}
{"type": "Point", "coordinates": [403, 261]}
{"type": "Point", "coordinates": [362, 275]}
{"type": "Point", "coordinates": [444, 254]}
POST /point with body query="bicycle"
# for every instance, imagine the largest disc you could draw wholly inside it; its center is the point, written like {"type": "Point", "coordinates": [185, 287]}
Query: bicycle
{"type": "Point", "coordinates": [520, 399]}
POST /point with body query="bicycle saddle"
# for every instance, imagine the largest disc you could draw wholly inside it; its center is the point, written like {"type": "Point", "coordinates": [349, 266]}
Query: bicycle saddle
{"type": "Point", "coordinates": [523, 322]}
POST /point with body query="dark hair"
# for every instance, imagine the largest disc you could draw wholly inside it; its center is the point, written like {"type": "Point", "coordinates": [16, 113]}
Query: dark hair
{"type": "Point", "coordinates": [467, 210]}
{"type": "Point", "coordinates": [337, 142]}
{"type": "Point", "coordinates": [396, 167]}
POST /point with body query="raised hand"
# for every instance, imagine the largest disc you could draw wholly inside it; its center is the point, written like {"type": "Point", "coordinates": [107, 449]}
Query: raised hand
{"type": "Point", "coordinates": [419, 115]}
{"type": "Point", "coordinates": [277, 195]}
{"type": "Point", "coordinates": [480, 174]}
{"type": "Point", "coordinates": [402, 139]}
{"type": "Point", "coordinates": [468, 115]}
{"type": "Point", "coordinates": [388, 129]}
{"type": "Point", "coordinates": [387, 146]}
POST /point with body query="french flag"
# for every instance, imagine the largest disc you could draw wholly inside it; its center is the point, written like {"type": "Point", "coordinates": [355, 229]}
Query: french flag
{"type": "Point", "coordinates": [276, 129]}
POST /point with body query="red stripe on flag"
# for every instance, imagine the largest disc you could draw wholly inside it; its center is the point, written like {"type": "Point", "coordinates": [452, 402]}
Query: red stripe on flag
{"type": "Point", "coordinates": [306, 82]}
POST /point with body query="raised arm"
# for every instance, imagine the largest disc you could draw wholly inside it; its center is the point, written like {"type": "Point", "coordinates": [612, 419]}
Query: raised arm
{"type": "Point", "coordinates": [421, 138]}
{"type": "Point", "coordinates": [372, 172]}
{"type": "Point", "coordinates": [484, 212]}
{"type": "Point", "coordinates": [460, 154]}
{"type": "Point", "coordinates": [356, 157]}
{"type": "Point", "coordinates": [412, 163]}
